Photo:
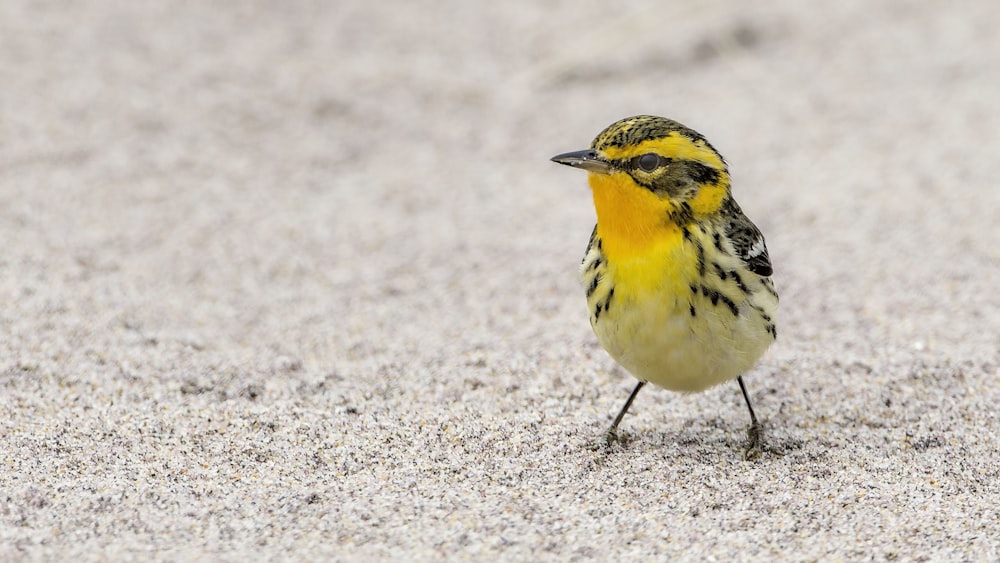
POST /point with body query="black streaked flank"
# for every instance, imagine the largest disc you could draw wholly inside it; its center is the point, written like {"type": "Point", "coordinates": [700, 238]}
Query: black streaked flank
{"type": "Point", "coordinates": [719, 271]}
{"type": "Point", "coordinates": [770, 288]}
{"type": "Point", "coordinates": [607, 300]}
{"type": "Point", "coordinates": [760, 311]}
{"type": "Point", "coordinates": [729, 303]}
{"type": "Point", "coordinates": [716, 297]}
{"type": "Point", "coordinates": [593, 285]}
{"type": "Point", "coordinates": [739, 281]}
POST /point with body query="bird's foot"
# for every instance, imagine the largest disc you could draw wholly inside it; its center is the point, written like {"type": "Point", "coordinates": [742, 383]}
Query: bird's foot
{"type": "Point", "coordinates": [607, 440]}
{"type": "Point", "coordinates": [755, 442]}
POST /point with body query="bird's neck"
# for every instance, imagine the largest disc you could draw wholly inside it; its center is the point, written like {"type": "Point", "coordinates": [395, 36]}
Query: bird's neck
{"type": "Point", "coordinates": [630, 220]}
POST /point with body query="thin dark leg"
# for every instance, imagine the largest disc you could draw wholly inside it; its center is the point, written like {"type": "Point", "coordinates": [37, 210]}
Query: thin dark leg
{"type": "Point", "coordinates": [746, 397]}
{"type": "Point", "coordinates": [612, 434]}
{"type": "Point", "coordinates": [753, 449]}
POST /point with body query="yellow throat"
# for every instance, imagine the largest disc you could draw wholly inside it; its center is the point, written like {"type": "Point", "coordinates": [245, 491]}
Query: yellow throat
{"type": "Point", "coordinates": [630, 219]}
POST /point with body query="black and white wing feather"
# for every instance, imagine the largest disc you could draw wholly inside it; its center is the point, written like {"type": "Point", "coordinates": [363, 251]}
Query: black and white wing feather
{"type": "Point", "coordinates": [748, 242]}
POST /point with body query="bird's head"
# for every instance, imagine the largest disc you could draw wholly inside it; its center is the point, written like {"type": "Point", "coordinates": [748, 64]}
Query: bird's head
{"type": "Point", "coordinates": [652, 165]}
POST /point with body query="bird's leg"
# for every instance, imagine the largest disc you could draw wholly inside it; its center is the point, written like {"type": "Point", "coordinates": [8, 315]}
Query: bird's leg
{"type": "Point", "coordinates": [611, 435]}
{"type": "Point", "coordinates": [754, 447]}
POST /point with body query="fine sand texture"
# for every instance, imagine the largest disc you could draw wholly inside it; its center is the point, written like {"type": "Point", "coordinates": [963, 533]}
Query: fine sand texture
{"type": "Point", "coordinates": [297, 281]}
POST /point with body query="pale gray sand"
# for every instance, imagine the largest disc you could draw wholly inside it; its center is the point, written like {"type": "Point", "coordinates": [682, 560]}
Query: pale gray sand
{"type": "Point", "coordinates": [294, 280]}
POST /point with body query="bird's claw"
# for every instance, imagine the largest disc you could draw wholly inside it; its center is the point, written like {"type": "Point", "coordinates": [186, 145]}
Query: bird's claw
{"type": "Point", "coordinates": [755, 442]}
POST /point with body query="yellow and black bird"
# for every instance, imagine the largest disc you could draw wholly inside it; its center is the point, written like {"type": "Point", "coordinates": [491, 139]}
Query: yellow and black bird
{"type": "Point", "coordinates": [677, 277]}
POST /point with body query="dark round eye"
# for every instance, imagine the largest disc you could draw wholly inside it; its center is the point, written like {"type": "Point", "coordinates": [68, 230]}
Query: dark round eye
{"type": "Point", "coordinates": [648, 162]}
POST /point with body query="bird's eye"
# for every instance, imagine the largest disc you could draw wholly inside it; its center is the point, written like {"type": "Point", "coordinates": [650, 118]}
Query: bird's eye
{"type": "Point", "coordinates": [648, 162]}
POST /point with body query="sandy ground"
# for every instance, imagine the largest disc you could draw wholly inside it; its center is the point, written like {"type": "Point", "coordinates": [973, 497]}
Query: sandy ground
{"type": "Point", "coordinates": [297, 280]}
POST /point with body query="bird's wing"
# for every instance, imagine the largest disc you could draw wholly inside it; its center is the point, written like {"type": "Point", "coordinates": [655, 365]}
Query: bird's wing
{"type": "Point", "coordinates": [748, 242]}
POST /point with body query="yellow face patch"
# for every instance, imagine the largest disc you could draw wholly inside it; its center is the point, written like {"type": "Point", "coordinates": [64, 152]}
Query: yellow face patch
{"type": "Point", "coordinates": [710, 196]}
{"type": "Point", "coordinates": [678, 148]}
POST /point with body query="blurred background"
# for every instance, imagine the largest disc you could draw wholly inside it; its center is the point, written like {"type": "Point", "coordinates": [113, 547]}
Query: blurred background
{"type": "Point", "coordinates": [337, 207]}
{"type": "Point", "coordinates": [196, 163]}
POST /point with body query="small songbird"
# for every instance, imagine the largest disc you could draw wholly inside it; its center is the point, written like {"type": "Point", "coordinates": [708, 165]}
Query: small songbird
{"type": "Point", "coordinates": [677, 277]}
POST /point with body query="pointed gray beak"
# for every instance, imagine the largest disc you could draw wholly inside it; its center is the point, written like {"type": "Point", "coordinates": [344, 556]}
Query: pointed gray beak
{"type": "Point", "coordinates": [586, 159]}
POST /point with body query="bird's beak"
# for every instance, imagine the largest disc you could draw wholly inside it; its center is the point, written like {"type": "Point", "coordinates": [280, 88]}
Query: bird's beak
{"type": "Point", "coordinates": [586, 159]}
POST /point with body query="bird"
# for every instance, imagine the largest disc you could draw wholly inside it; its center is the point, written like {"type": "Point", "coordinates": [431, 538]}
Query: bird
{"type": "Point", "coordinates": [677, 278]}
